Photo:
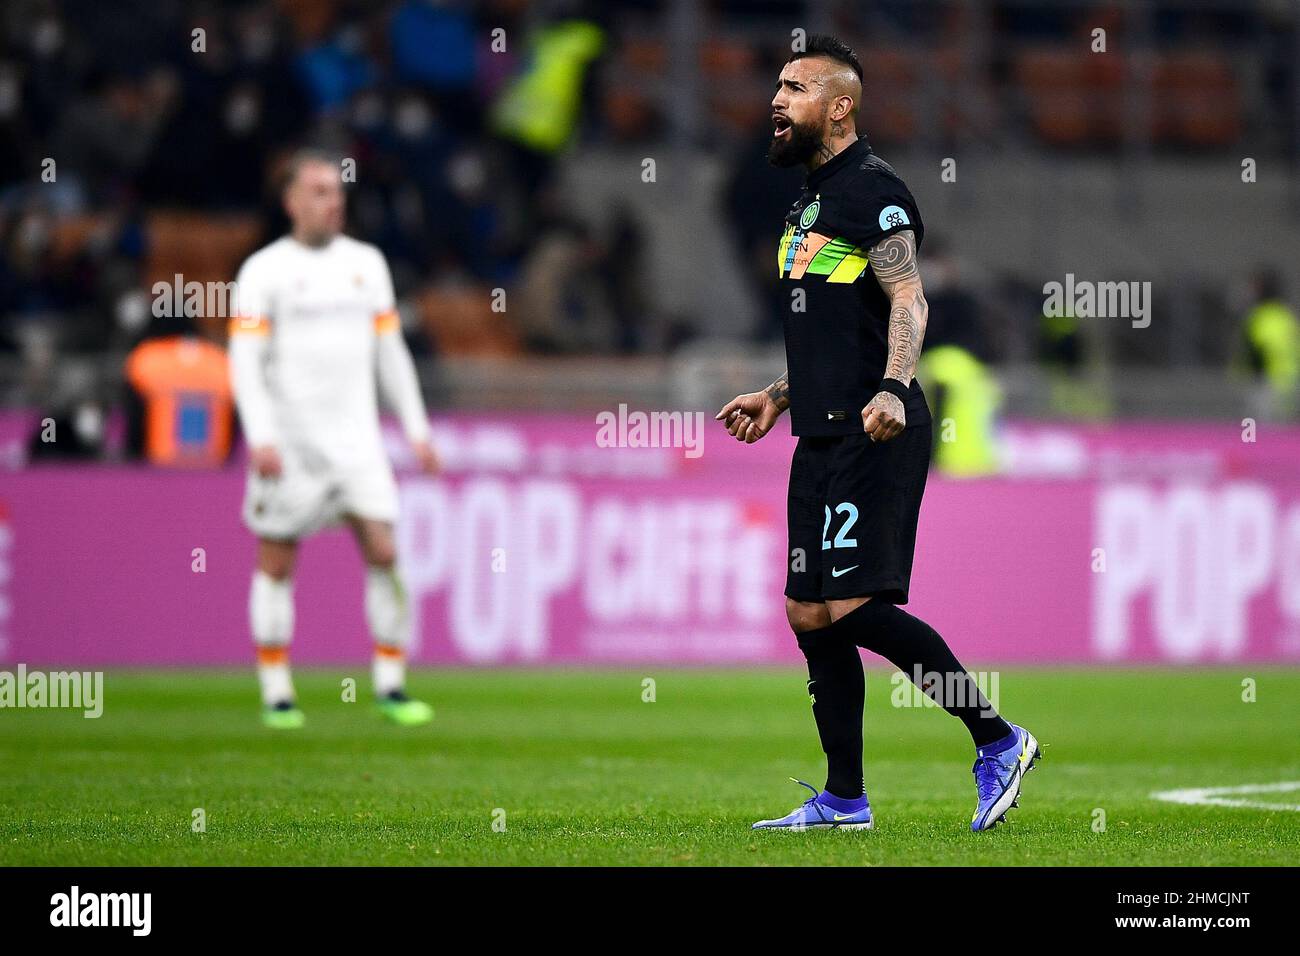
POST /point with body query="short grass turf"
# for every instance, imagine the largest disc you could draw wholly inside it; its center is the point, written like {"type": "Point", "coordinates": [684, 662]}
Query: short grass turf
{"type": "Point", "coordinates": [574, 767]}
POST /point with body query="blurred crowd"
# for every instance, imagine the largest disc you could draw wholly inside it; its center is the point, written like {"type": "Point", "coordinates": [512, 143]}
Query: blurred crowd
{"type": "Point", "coordinates": [111, 112]}
{"type": "Point", "coordinates": [141, 139]}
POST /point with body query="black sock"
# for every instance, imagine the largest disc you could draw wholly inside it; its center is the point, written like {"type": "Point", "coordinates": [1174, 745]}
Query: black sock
{"type": "Point", "coordinates": [911, 645]}
{"type": "Point", "coordinates": [838, 690]}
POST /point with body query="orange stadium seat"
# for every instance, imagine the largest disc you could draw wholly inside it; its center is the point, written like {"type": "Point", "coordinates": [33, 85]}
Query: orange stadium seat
{"type": "Point", "coordinates": [1195, 100]}
{"type": "Point", "coordinates": [741, 112]}
{"type": "Point", "coordinates": [311, 19]}
{"type": "Point", "coordinates": [69, 234]}
{"type": "Point", "coordinates": [644, 55]}
{"type": "Point", "coordinates": [735, 98]}
{"type": "Point", "coordinates": [890, 79]}
{"type": "Point", "coordinates": [724, 59]}
{"type": "Point", "coordinates": [461, 321]}
{"type": "Point", "coordinates": [201, 248]}
{"type": "Point", "coordinates": [961, 79]}
{"type": "Point", "coordinates": [629, 111]}
{"type": "Point", "coordinates": [1073, 97]}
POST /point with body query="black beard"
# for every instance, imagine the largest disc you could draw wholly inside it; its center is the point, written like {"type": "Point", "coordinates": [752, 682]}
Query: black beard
{"type": "Point", "coordinates": [796, 150]}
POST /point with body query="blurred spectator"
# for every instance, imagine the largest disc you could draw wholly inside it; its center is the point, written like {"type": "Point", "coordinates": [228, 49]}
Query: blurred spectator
{"type": "Point", "coordinates": [1060, 346]}
{"type": "Point", "coordinates": [106, 137]}
{"type": "Point", "coordinates": [1272, 338]}
{"type": "Point", "coordinates": [565, 307]}
{"type": "Point", "coordinates": [471, 122]}
{"type": "Point", "coordinates": [962, 391]}
{"type": "Point", "coordinates": [621, 273]}
{"type": "Point", "coordinates": [537, 112]}
{"type": "Point", "coordinates": [541, 107]}
{"type": "Point", "coordinates": [74, 433]}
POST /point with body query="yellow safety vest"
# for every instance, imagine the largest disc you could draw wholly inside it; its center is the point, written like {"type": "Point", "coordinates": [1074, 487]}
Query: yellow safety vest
{"type": "Point", "coordinates": [1274, 335]}
{"type": "Point", "coordinates": [540, 107]}
{"type": "Point", "coordinates": [965, 422]}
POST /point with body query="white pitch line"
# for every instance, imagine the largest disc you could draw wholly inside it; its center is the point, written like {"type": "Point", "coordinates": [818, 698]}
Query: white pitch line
{"type": "Point", "coordinates": [1215, 796]}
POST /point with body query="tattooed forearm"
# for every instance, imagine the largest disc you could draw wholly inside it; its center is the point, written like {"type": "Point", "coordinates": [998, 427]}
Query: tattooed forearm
{"type": "Point", "coordinates": [779, 391]}
{"type": "Point", "coordinates": [893, 260]}
{"type": "Point", "coordinates": [906, 329]}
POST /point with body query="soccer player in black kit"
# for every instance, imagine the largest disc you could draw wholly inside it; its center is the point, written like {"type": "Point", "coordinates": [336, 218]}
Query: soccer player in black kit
{"type": "Point", "coordinates": [848, 254]}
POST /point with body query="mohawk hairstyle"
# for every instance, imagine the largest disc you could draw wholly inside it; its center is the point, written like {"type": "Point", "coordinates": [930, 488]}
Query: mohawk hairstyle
{"type": "Point", "coordinates": [833, 48]}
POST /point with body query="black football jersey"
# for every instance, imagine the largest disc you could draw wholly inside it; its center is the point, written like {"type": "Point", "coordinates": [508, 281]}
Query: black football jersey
{"type": "Point", "coordinates": [836, 337]}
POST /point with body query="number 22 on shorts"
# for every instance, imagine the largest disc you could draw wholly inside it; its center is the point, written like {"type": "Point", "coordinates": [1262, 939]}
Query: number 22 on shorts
{"type": "Point", "coordinates": [841, 537]}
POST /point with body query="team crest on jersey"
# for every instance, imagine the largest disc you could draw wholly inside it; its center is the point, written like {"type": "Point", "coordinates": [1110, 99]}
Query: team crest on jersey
{"type": "Point", "coordinates": [810, 214]}
{"type": "Point", "coordinates": [891, 217]}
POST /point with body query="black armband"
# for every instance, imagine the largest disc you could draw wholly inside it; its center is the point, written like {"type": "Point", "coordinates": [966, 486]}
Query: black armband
{"type": "Point", "coordinates": [894, 387]}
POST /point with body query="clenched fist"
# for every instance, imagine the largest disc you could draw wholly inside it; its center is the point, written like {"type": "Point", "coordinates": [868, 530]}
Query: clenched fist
{"type": "Point", "coordinates": [884, 418]}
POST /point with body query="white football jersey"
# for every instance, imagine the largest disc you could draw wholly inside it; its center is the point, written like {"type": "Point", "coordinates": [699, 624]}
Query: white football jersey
{"type": "Point", "coordinates": [321, 309]}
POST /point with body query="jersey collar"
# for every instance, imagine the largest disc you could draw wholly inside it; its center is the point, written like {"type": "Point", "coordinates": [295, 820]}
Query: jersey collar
{"type": "Point", "coordinates": [850, 154]}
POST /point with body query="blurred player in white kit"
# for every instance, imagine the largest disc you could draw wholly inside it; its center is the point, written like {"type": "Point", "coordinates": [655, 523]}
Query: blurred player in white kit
{"type": "Point", "coordinates": [316, 324]}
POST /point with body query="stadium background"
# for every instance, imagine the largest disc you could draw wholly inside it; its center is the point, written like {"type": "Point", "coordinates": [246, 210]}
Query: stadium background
{"type": "Point", "coordinates": [575, 204]}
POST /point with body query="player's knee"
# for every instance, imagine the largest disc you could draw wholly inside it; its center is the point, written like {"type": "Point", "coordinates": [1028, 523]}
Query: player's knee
{"type": "Point", "coordinates": [806, 615]}
{"type": "Point", "coordinates": [376, 541]}
{"type": "Point", "coordinates": [276, 559]}
{"type": "Point", "coordinates": [277, 570]}
{"type": "Point", "coordinates": [381, 553]}
{"type": "Point", "coordinates": [840, 607]}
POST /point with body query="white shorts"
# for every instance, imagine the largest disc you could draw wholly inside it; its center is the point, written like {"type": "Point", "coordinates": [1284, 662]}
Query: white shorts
{"type": "Point", "coordinates": [304, 500]}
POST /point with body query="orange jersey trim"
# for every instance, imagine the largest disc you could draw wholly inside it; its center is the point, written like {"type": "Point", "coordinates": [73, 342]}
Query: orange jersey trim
{"type": "Point", "coordinates": [250, 325]}
{"type": "Point", "coordinates": [387, 322]}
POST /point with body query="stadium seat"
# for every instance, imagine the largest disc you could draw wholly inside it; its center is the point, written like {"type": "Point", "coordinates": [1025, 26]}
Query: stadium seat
{"type": "Point", "coordinates": [460, 320]}
{"type": "Point", "coordinates": [1195, 100]}
{"type": "Point", "coordinates": [725, 59]}
{"type": "Point", "coordinates": [1073, 97]}
{"type": "Point", "coordinates": [891, 115]}
{"type": "Point", "coordinates": [644, 55]}
{"type": "Point", "coordinates": [201, 248]}
{"type": "Point", "coordinates": [69, 234]}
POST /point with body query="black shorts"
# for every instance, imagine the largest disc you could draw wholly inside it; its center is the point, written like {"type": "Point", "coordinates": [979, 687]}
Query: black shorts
{"type": "Point", "coordinates": [852, 511]}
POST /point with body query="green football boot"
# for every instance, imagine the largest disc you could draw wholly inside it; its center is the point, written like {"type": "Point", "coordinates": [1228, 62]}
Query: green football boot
{"type": "Point", "coordinates": [403, 710]}
{"type": "Point", "coordinates": [283, 716]}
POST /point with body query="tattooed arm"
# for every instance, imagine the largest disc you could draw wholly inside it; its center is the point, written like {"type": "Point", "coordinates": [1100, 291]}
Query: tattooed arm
{"type": "Point", "coordinates": [779, 392]}
{"type": "Point", "coordinates": [893, 260]}
{"type": "Point", "coordinates": [751, 416]}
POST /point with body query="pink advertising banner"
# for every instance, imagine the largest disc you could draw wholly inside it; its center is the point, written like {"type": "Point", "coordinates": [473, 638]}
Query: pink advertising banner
{"type": "Point", "coordinates": [542, 544]}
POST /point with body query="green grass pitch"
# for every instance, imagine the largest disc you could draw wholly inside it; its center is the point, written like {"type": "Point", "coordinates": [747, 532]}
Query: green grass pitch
{"type": "Point", "coordinates": [587, 773]}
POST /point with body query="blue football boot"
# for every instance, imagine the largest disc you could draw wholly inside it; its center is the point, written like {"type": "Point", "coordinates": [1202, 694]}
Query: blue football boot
{"type": "Point", "coordinates": [813, 813]}
{"type": "Point", "coordinates": [997, 779]}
